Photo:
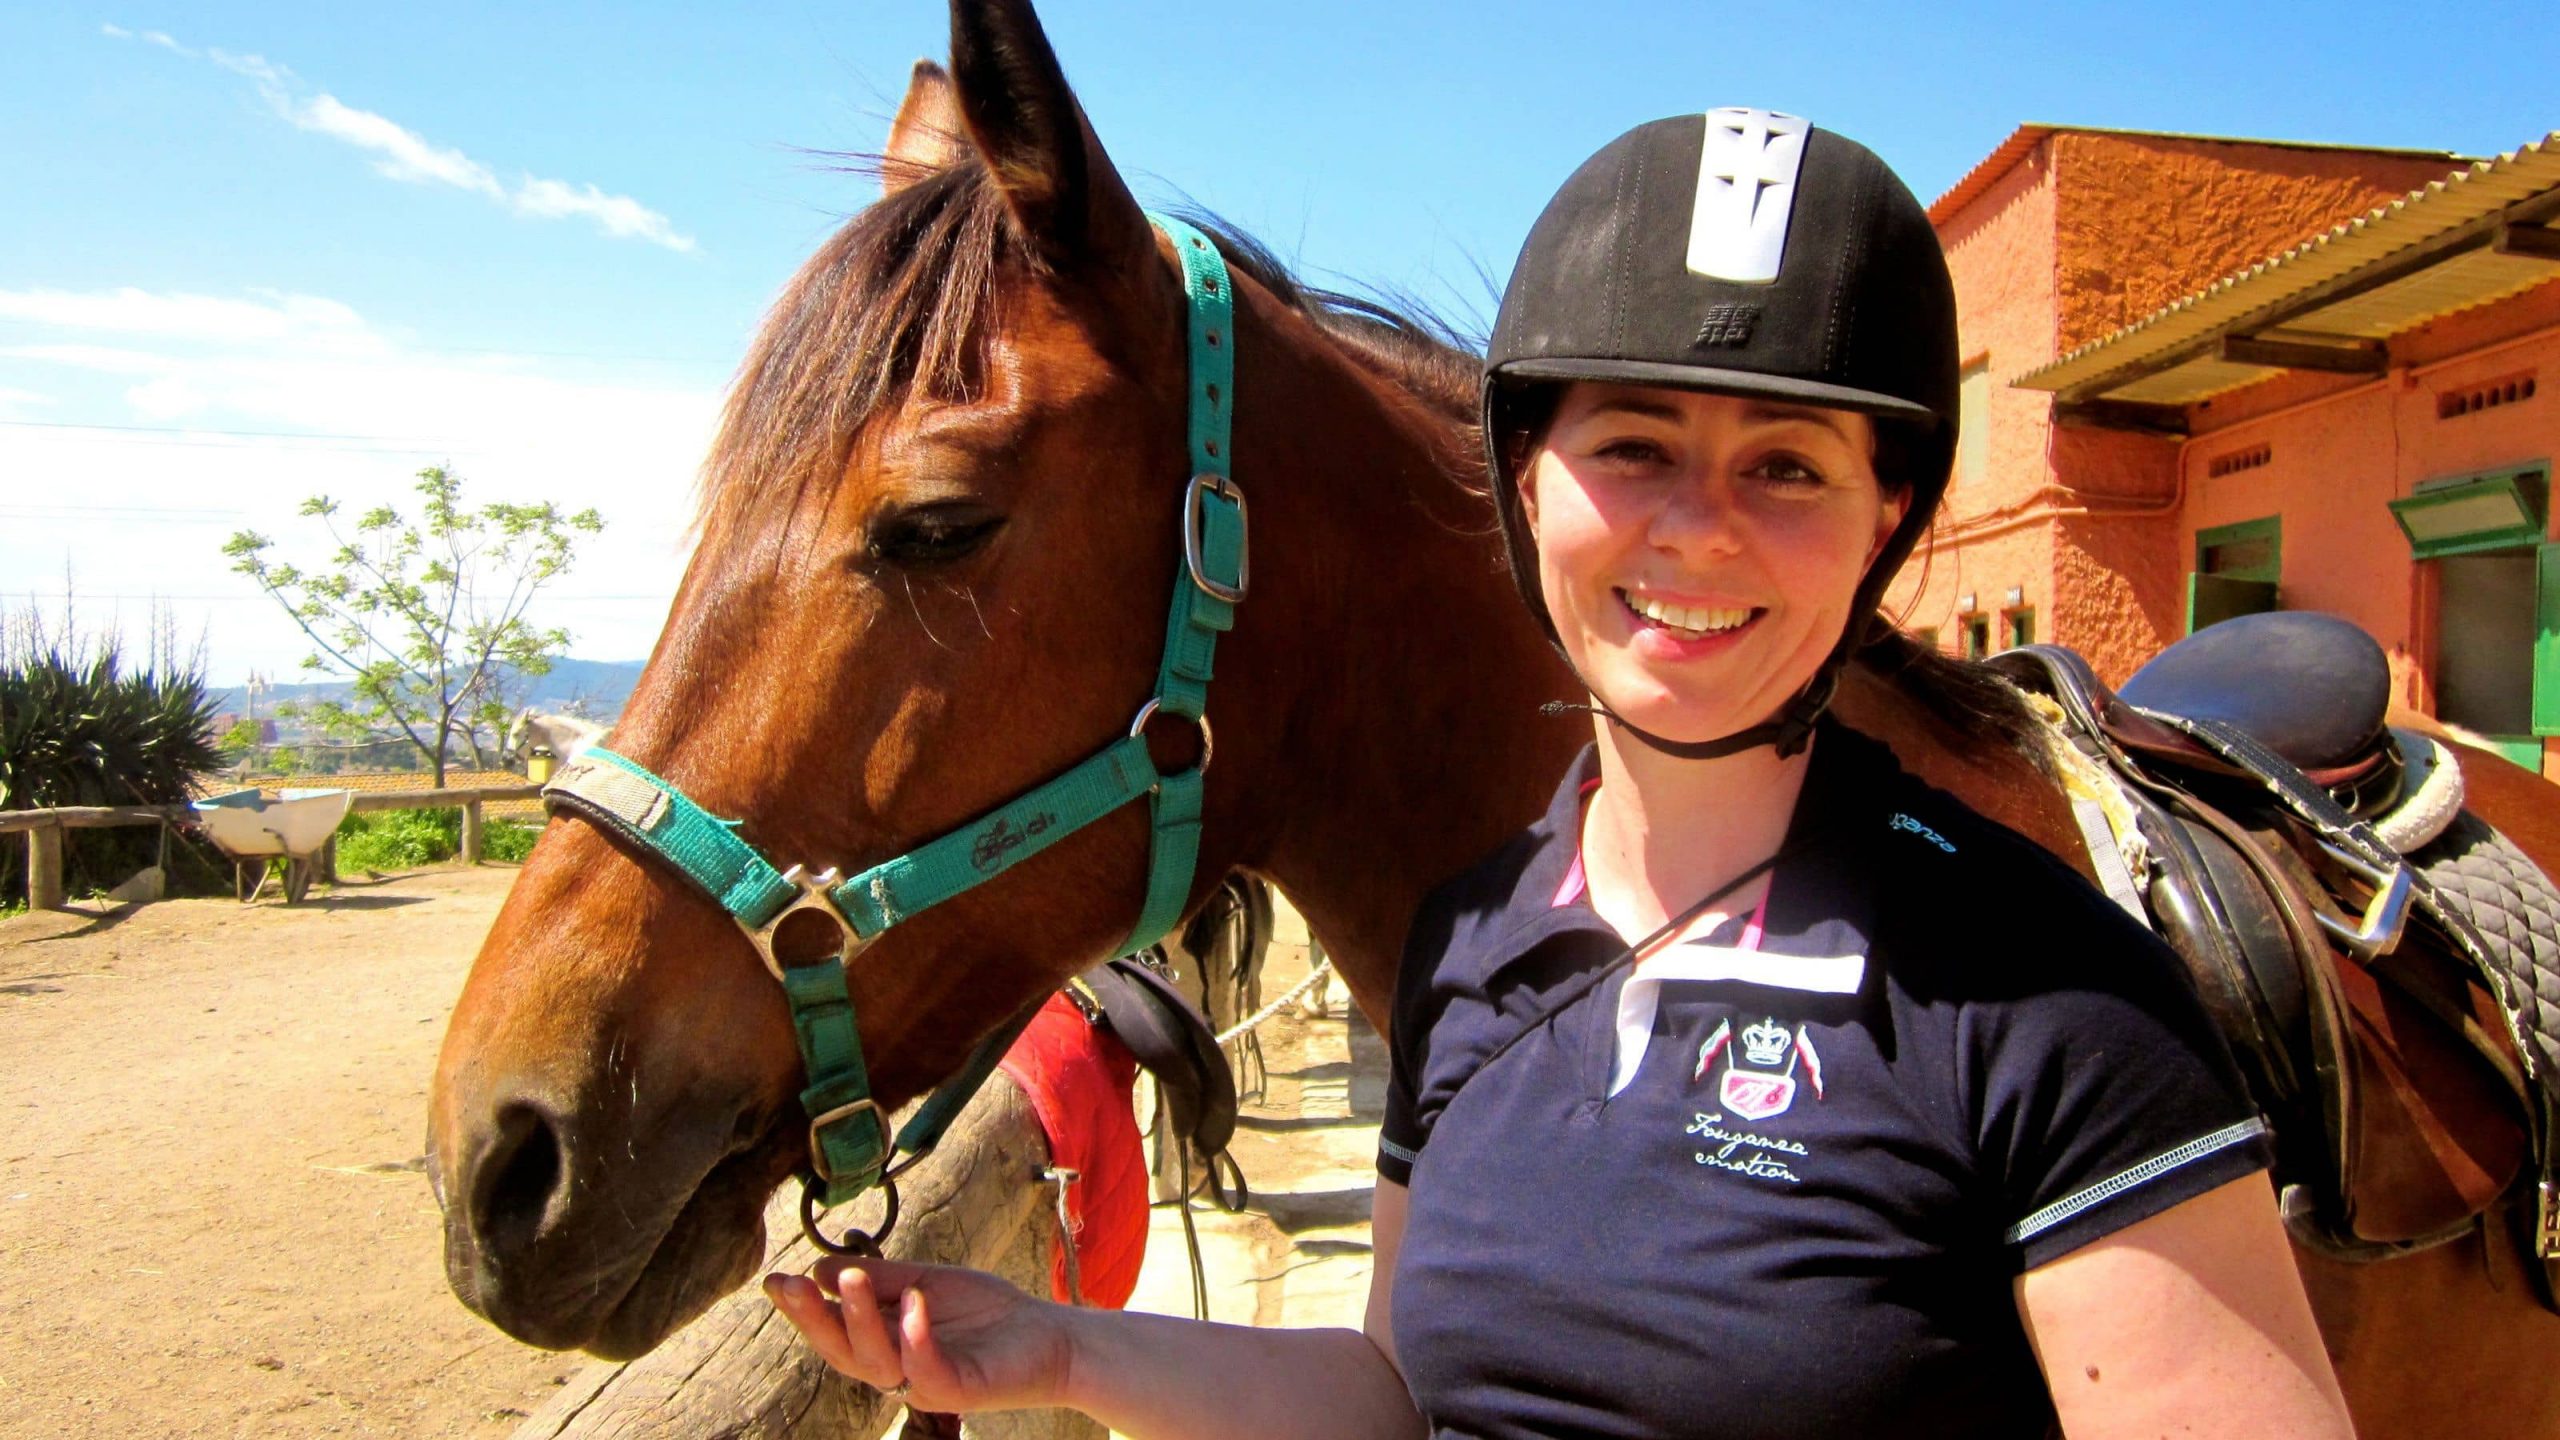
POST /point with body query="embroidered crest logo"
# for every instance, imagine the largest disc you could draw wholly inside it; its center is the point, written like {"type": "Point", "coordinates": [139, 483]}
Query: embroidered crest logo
{"type": "Point", "coordinates": [1764, 1082]}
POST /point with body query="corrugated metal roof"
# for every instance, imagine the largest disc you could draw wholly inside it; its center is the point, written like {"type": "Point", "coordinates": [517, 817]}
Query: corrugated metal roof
{"type": "Point", "coordinates": [1987, 171]}
{"type": "Point", "coordinates": [2168, 357]}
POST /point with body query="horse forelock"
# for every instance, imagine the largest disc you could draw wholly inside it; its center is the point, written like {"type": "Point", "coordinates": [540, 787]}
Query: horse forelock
{"type": "Point", "coordinates": [902, 301]}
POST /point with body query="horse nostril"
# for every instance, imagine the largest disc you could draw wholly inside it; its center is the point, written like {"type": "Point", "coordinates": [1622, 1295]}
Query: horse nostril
{"type": "Point", "coordinates": [515, 1180]}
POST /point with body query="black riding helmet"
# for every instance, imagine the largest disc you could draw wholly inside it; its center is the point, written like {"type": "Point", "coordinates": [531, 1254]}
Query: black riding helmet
{"type": "Point", "coordinates": [1740, 252]}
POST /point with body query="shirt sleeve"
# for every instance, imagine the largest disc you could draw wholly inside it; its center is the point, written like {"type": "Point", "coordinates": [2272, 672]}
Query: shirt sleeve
{"type": "Point", "coordinates": [2102, 1092]}
{"type": "Point", "coordinates": [1405, 1128]}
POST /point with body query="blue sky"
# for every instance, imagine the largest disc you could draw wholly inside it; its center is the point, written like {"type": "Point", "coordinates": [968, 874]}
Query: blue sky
{"type": "Point", "coordinates": [252, 253]}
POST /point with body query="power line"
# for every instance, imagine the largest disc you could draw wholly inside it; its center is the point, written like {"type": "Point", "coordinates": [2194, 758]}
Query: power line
{"type": "Point", "coordinates": [198, 430]}
{"type": "Point", "coordinates": [260, 596]}
{"type": "Point", "coordinates": [115, 510]}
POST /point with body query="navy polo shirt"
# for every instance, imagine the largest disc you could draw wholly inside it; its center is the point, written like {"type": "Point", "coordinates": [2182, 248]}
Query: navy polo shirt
{"type": "Point", "coordinates": [1780, 1180]}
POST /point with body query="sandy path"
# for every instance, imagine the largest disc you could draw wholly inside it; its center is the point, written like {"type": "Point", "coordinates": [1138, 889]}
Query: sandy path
{"type": "Point", "coordinates": [213, 1221]}
{"type": "Point", "coordinates": [212, 1218]}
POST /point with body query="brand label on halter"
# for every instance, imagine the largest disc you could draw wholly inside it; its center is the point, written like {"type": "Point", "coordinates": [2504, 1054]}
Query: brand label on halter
{"type": "Point", "coordinates": [1746, 191]}
{"type": "Point", "coordinates": [996, 844]}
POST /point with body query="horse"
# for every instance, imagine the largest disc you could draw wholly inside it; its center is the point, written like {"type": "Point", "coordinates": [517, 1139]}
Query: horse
{"type": "Point", "coordinates": [936, 530]}
{"type": "Point", "coordinates": [565, 736]}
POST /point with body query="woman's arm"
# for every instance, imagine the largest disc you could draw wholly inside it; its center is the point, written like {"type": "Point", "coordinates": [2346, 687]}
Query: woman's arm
{"type": "Point", "coordinates": [963, 1341]}
{"type": "Point", "coordinates": [2191, 1322]}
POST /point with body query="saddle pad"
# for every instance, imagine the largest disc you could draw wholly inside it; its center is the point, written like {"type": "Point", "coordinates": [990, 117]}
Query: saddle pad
{"type": "Point", "coordinates": [1077, 1076]}
{"type": "Point", "coordinates": [2481, 875]}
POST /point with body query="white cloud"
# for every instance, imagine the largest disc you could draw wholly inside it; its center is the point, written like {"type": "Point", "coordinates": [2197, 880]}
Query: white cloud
{"type": "Point", "coordinates": [191, 317]}
{"type": "Point", "coordinates": [115, 32]}
{"type": "Point", "coordinates": [270, 76]}
{"type": "Point", "coordinates": [369, 409]}
{"type": "Point", "coordinates": [402, 154]}
{"type": "Point", "coordinates": [18, 404]}
{"type": "Point", "coordinates": [167, 398]}
{"type": "Point", "coordinates": [618, 214]}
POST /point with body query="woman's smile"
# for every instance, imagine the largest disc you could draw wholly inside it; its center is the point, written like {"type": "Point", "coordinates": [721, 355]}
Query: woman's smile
{"type": "Point", "coordinates": [1699, 552]}
{"type": "Point", "coordinates": [1673, 629]}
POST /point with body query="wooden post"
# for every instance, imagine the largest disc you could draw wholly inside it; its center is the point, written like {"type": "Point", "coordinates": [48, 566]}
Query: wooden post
{"type": "Point", "coordinates": [44, 868]}
{"type": "Point", "coordinates": [742, 1371]}
{"type": "Point", "coordinates": [471, 832]}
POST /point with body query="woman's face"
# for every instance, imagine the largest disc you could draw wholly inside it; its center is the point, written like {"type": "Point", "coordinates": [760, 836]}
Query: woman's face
{"type": "Point", "coordinates": [1699, 552]}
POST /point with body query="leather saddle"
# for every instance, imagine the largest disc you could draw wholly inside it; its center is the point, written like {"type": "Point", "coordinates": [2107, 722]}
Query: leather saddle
{"type": "Point", "coordinates": [2243, 782]}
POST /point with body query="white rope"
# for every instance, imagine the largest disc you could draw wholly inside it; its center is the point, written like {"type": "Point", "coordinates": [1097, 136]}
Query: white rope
{"type": "Point", "coordinates": [1314, 978]}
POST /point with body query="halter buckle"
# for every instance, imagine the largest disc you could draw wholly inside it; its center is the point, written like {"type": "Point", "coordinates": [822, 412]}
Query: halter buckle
{"type": "Point", "coordinates": [1192, 559]}
{"type": "Point", "coordinates": [813, 896]}
{"type": "Point", "coordinates": [818, 1153]}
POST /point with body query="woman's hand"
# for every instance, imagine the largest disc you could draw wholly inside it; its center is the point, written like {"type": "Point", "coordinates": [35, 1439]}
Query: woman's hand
{"type": "Point", "coordinates": [956, 1339]}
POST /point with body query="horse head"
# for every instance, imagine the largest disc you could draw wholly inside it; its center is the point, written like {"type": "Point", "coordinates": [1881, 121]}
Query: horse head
{"type": "Point", "coordinates": [936, 537]}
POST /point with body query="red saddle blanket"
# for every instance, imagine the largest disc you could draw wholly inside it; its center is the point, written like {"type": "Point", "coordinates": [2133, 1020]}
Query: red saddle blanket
{"type": "Point", "coordinates": [1077, 1076]}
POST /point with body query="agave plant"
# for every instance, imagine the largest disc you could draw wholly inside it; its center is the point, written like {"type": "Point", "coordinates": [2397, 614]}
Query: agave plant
{"type": "Point", "coordinates": [78, 727]}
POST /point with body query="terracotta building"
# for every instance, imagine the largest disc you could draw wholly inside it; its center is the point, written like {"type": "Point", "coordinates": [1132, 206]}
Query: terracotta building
{"type": "Point", "coordinates": [2195, 357]}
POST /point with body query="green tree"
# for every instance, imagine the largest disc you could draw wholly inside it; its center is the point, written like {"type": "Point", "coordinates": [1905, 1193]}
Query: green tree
{"type": "Point", "coordinates": [427, 618]}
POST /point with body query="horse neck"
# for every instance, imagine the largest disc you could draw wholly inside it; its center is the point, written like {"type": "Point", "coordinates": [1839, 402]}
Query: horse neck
{"type": "Point", "coordinates": [1390, 673]}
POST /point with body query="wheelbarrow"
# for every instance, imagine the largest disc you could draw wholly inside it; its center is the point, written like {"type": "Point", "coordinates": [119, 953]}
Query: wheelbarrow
{"type": "Point", "coordinates": [253, 830]}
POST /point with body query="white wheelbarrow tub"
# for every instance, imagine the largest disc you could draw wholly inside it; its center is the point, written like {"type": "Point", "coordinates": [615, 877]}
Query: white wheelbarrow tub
{"type": "Point", "coordinates": [246, 825]}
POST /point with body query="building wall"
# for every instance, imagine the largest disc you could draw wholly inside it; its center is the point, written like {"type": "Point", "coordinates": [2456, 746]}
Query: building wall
{"type": "Point", "coordinates": [2000, 251]}
{"type": "Point", "coordinates": [2087, 233]}
{"type": "Point", "coordinates": [2339, 452]}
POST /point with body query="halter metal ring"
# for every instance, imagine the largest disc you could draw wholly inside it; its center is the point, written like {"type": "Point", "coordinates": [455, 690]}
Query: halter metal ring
{"type": "Point", "coordinates": [814, 895]}
{"type": "Point", "coordinates": [856, 1243]}
{"type": "Point", "coordinates": [1192, 559]}
{"type": "Point", "coordinates": [1208, 741]}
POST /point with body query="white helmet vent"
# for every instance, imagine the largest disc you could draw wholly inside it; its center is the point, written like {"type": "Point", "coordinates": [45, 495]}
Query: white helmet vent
{"type": "Point", "coordinates": [1746, 190]}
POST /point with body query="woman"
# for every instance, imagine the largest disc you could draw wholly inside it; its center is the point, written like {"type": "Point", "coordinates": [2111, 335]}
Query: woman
{"type": "Point", "coordinates": [1758, 1089]}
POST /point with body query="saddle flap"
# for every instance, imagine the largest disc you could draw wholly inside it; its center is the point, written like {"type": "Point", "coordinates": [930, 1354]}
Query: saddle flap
{"type": "Point", "coordinates": [1173, 1042]}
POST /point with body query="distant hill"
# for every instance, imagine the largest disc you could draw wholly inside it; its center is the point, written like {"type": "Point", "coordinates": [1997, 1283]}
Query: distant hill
{"type": "Point", "coordinates": [595, 688]}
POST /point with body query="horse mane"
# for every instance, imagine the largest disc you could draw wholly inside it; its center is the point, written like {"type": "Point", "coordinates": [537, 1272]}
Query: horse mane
{"type": "Point", "coordinates": [900, 302]}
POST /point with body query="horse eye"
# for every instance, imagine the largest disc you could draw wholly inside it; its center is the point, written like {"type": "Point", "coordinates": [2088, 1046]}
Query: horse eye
{"type": "Point", "coordinates": [931, 535]}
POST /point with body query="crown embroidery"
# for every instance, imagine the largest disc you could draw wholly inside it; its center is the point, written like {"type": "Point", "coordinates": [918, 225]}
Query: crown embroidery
{"type": "Point", "coordinates": [1765, 1043]}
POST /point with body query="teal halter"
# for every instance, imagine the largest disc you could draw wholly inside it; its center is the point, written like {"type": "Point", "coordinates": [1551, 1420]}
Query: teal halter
{"type": "Point", "coordinates": [850, 1147]}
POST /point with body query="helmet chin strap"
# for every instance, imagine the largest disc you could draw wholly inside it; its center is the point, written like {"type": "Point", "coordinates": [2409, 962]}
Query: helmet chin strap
{"type": "Point", "coordinates": [1790, 731]}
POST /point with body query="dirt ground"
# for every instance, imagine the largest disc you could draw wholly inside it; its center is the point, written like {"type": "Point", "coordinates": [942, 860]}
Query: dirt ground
{"type": "Point", "coordinates": [213, 1216]}
{"type": "Point", "coordinates": [213, 1213]}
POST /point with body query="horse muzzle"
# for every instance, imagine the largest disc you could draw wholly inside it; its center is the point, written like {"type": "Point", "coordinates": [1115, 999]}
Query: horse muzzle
{"type": "Point", "coordinates": [559, 1247]}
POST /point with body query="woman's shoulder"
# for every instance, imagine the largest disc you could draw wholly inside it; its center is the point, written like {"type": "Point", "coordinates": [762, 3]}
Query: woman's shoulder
{"type": "Point", "coordinates": [1952, 882]}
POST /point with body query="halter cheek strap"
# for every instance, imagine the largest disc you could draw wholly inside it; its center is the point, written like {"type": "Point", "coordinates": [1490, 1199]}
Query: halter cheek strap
{"type": "Point", "coordinates": [850, 1147]}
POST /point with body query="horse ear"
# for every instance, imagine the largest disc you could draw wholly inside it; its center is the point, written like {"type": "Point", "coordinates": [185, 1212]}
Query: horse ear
{"type": "Point", "coordinates": [1020, 114]}
{"type": "Point", "coordinates": [926, 136]}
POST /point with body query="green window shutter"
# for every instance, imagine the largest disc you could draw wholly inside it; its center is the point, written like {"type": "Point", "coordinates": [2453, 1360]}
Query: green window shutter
{"type": "Point", "coordinates": [2546, 642]}
{"type": "Point", "coordinates": [2212, 599]}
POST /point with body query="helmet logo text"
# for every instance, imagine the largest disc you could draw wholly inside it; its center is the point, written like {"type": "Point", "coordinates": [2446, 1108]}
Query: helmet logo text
{"type": "Point", "coordinates": [1746, 191]}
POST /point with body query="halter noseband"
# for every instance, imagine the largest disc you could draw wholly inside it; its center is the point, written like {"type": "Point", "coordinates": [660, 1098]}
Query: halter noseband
{"type": "Point", "coordinates": [850, 1146]}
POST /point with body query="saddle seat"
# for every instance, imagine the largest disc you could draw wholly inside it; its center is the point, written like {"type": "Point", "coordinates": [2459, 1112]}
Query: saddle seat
{"type": "Point", "coordinates": [2312, 688]}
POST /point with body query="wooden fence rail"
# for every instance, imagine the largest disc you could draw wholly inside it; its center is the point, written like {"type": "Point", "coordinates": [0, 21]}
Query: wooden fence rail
{"type": "Point", "coordinates": [44, 828]}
